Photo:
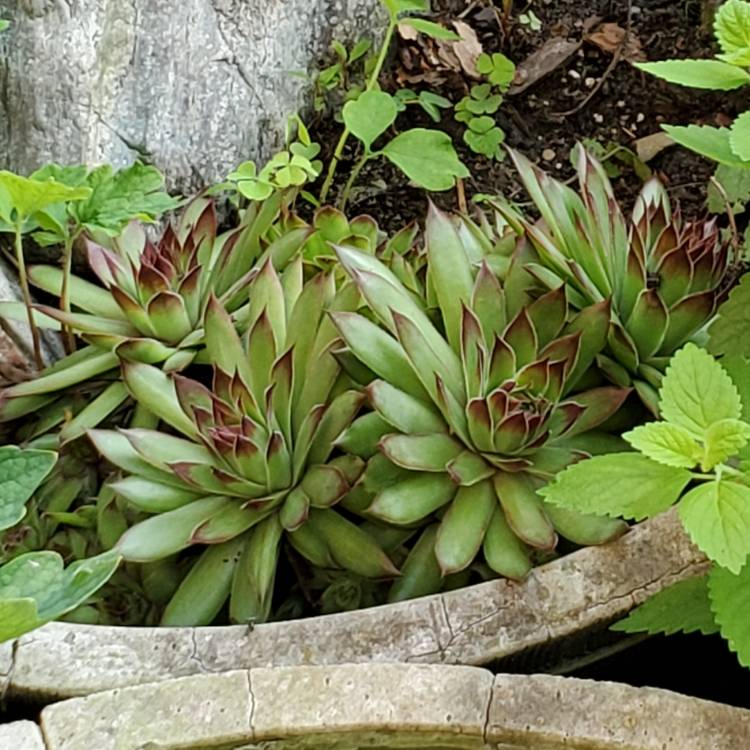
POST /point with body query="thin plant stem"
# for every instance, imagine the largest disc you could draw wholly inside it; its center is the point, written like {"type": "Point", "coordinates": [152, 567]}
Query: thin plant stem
{"type": "Point", "coordinates": [352, 179]}
{"type": "Point", "coordinates": [27, 296]}
{"type": "Point", "coordinates": [68, 338]}
{"type": "Point", "coordinates": [372, 82]}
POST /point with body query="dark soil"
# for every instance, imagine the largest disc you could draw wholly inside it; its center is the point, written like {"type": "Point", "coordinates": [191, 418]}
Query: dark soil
{"type": "Point", "coordinates": [627, 105]}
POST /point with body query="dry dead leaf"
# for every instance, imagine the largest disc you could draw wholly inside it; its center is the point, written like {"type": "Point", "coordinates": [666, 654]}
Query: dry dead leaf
{"type": "Point", "coordinates": [551, 55]}
{"type": "Point", "coordinates": [611, 38]}
{"type": "Point", "coordinates": [468, 49]}
{"type": "Point", "coordinates": [409, 33]}
{"type": "Point", "coordinates": [650, 146]}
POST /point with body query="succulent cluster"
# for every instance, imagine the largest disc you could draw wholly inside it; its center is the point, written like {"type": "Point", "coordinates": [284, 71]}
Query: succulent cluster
{"type": "Point", "coordinates": [310, 409]}
{"type": "Point", "coordinates": [663, 276]}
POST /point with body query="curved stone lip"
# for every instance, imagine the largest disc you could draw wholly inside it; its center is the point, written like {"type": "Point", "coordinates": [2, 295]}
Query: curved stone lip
{"type": "Point", "coordinates": [388, 705]}
{"type": "Point", "coordinates": [477, 625]}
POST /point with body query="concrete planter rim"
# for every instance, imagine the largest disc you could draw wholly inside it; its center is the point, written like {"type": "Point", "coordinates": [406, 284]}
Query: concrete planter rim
{"type": "Point", "coordinates": [388, 706]}
{"type": "Point", "coordinates": [478, 625]}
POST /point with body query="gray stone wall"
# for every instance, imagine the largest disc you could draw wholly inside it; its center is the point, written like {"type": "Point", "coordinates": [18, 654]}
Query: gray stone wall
{"type": "Point", "coordinates": [195, 86]}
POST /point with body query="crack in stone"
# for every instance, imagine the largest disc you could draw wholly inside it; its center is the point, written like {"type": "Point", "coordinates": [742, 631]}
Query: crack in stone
{"type": "Point", "coordinates": [251, 718]}
{"type": "Point", "coordinates": [551, 633]}
{"type": "Point", "coordinates": [6, 678]}
{"type": "Point", "coordinates": [195, 657]}
{"type": "Point", "coordinates": [486, 726]}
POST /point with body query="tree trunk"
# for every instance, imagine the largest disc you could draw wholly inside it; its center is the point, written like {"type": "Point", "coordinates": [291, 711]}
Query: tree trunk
{"type": "Point", "coordinates": [193, 86]}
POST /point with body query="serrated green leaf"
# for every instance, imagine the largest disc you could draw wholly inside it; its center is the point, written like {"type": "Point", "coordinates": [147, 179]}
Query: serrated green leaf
{"type": "Point", "coordinates": [696, 392]}
{"type": "Point", "coordinates": [669, 444]}
{"type": "Point", "coordinates": [739, 136]}
{"type": "Point", "coordinates": [682, 608]}
{"type": "Point", "coordinates": [738, 368]}
{"type": "Point", "coordinates": [35, 588]}
{"type": "Point", "coordinates": [724, 439]}
{"type": "Point", "coordinates": [427, 157]}
{"type": "Point", "coordinates": [736, 184]}
{"type": "Point", "coordinates": [24, 196]}
{"type": "Point", "coordinates": [729, 334]}
{"type": "Point", "coordinates": [706, 141]}
{"type": "Point", "coordinates": [21, 472]}
{"type": "Point", "coordinates": [716, 515]}
{"type": "Point", "coordinates": [701, 74]}
{"type": "Point", "coordinates": [730, 602]}
{"type": "Point", "coordinates": [370, 115]}
{"type": "Point", "coordinates": [732, 29]}
{"type": "Point", "coordinates": [626, 485]}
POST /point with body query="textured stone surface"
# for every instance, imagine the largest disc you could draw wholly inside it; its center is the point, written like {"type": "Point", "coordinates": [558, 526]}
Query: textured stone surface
{"type": "Point", "coordinates": [548, 713]}
{"type": "Point", "coordinates": [596, 584]}
{"type": "Point", "coordinates": [390, 706]}
{"type": "Point", "coordinates": [60, 660]}
{"type": "Point", "coordinates": [197, 86]}
{"type": "Point", "coordinates": [6, 666]}
{"type": "Point", "coordinates": [476, 625]}
{"type": "Point", "coordinates": [208, 710]}
{"type": "Point", "coordinates": [21, 735]}
{"type": "Point", "coordinates": [298, 701]}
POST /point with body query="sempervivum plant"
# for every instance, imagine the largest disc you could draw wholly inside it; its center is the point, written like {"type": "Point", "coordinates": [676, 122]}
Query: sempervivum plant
{"type": "Point", "coordinates": [474, 414]}
{"type": "Point", "coordinates": [256, 459]}
{"type": "Point", "coordinates": [664, 276]}
{"type": "Point", "coordinates": [151, 302]}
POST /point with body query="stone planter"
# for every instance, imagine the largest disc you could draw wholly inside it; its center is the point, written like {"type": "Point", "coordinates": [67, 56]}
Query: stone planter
{"type": "Point", "coordinates": [383, 705]}
{"type": "Point", "coordinates": [553, 616]}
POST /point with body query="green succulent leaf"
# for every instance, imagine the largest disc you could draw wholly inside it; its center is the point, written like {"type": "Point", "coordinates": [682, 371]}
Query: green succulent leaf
{"type": "Point", "coordinates": [697, 391]}
{"type": "Point", "coordinates": [684, 607]}
{"type": "Point", "coordinates": [21, 472]}
{"type": "Point", "coordinates": [427, 157]}
{"type": "Point", "coordinates": [730, 602]}
{"type": "Point", "coordinates": [716, 515]}
{"type": "Point", "coordinates": [729, 334]}
{"type": "Point", "coordinates": [626, 485]}
{"type": "Point", "coordinates": [732, 29]}
{"type": "Point", "coordinates": [669, 444]}
{"type": "Point", "coordinates": [35, 588]}
{"type": "Point", "coordinates": [370, 115]}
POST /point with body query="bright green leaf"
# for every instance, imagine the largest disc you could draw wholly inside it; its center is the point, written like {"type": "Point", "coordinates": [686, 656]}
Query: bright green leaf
{"type": "Point", "coordinates": [701, 74]}
{"type": "Point", "coordinates": [434, 30]}
{"type": "Point", "coordinates": [730, 601]}
{"type": "Point", "coordinates": [729, 334]}
{"type": "Point", "coordinates": [21, 197]}
{"type": "Point", "coordinates": [724, 439]}
{"type": "Point", "coordinates": [736, 184]}
{"type": "Point", "coordinates": [706, 141]}
{"type": "Point", "coordinates": [21, 472]}
{"type": "Point", "coordinates": [427, 157]}
{"type": "Point", "coordinates": [739, 136]}
{"type": "Point", "coordinates": [732, 29]}
{"type": "Point", "coordinates": [696, 392]}
{"type": "Point", "coordinates": [738, 368]}
{"type": "Point", "coordinates": [684, 607]}
{"type": "Point", "coordinates": [716, 515]}
{"type": "Point", "coordinates": [668, 444]}
{"type": "Point", "coordinates": [626, 485]}
{"type": "Point", "coordinates": [396, 7]}
{"type": "Point", "coordinates": [498, 68]}
{"type": "Point", "coordinates": [35, 588]}
{"type": "Point", "coordinates": [369, 116]}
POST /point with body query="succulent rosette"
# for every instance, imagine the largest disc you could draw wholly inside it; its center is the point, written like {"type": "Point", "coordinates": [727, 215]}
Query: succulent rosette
{"type": "Point", "coordinates": [256, 458]}
{"type": "Point", "coordinates": [664, 276]}
{"type": "Point", "coordinates": [472, 413]}
{"type": "Point", "coordinates": [149, 304]}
